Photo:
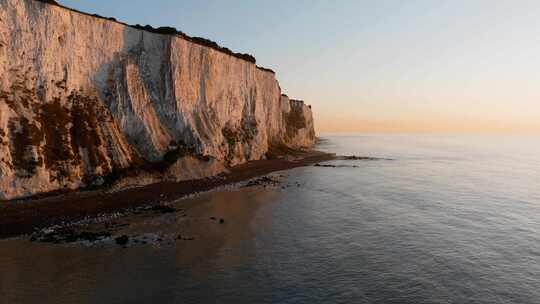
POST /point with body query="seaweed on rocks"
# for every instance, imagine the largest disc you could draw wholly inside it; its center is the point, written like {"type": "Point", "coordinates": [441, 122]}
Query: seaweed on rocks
{"type": "Point", "coordinates": [262, 181]}
{"type": "Point", "coordinates": [185, 238]}
{"type": "Point", "coordinates": [354, 157]}
{"type": "Point", "coordinates": [122, 240]}
{"type": "Point", "coordinates": [350, 157]}
{"type": "Point", "coordinates": [163, 209]}
{"type": "Point", "coordinates": [66, 236]}
{"type": "Point", "coordinates": [335, 166]}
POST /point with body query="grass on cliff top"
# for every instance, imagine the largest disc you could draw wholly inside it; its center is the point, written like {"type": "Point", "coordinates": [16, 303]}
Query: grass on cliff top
{"type": "Point", "coordinates": [166, 30]}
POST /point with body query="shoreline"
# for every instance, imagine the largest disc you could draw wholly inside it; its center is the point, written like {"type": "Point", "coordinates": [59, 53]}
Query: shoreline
{"type": "Point", "coordinates": [26, 216]}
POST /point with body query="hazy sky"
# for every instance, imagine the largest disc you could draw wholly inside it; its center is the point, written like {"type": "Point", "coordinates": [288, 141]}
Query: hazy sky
{"type": "Point", "coordinates": [377, 66]}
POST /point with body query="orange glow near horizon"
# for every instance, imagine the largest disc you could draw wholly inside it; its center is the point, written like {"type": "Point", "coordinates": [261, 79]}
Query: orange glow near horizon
{"type": "Point", "coordinates": [457, 66]}
{"type": "Point", "coordinates": [328, 124]}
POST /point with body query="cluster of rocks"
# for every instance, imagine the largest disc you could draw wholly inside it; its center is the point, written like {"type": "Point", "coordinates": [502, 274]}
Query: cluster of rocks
{"type": "Point", "coordinates": [163, 209]}
{"type": "Point", "coordinates": [89, 238]}
{"type": "Point", "coordinates": [221, 221]}
{"type": "Point", "coordinates": [156, 209]}
{"type": "Point", "coordinates": [334, 166]}
{"type": "Point", "coordinates": [185, 238]}
{"type": "Point", "coordinates": [144, 239]}
{"type": "Point", "coordinates": [122, 240]}
{"type": "Point", "coordinates": [113, 233]}
{"type": "Point", "coordinates": [354, 157]}
{"type": "Point", "coordinates": [71, 233]}
{"type": "Point", "coordinates": [293, 184]}
{"type": "Point", "coordinates": [273, 181]}
{"type": "Point", "coordinates": [350, 157]}
{"type": "Point", "coordinates": [67, 236]}
{"type": "Point", "coordinates": [262, 181]}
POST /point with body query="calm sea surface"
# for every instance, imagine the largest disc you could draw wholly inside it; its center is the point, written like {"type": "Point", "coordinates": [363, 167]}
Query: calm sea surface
{"type": "Point", "coordinates": [450, 219]}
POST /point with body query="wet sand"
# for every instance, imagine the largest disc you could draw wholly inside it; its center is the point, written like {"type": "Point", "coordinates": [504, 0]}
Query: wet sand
{"type": "Point", "coordinates": [95, 268]}
{"type": "Point", "coordinates": [24, 217]}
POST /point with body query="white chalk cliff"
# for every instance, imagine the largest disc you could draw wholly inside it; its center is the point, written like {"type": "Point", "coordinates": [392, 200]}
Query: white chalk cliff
{"type": "Point", "coordinates": [84, 99]}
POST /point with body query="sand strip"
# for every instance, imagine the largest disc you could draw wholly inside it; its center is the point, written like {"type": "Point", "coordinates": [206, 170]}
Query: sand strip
{"type": "Point", "coordinates": [23, 217]}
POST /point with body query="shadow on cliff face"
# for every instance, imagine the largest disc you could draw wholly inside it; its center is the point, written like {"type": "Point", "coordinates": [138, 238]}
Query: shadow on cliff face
{"type": "Point", "coordinates": [295, 120]}
{"type": "Point", "coordinates": [243, 137]}
{"type": "Point", "coordinates": [137, 86]}
{"type": "Point", "coordinates": [146, 61]}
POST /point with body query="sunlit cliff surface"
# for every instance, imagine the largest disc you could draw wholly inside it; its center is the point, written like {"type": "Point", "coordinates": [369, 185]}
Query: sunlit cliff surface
{"type": "Point", "coordinates": [86, 101]}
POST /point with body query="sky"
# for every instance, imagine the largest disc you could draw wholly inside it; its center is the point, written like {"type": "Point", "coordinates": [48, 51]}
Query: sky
{"type": "Point", "coordinates": [428, 66]}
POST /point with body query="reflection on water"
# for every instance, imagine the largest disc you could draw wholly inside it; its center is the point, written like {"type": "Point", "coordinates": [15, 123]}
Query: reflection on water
{"type": "Point", "coordinates": [452, 219]}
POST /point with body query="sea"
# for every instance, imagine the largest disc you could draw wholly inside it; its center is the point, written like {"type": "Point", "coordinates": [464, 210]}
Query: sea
{"type": "Point", "coordinates": [430, 219]}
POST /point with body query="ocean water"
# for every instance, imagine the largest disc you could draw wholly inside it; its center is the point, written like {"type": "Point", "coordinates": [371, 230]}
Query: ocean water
{"type": "Point", "coordinates": [449, 219]}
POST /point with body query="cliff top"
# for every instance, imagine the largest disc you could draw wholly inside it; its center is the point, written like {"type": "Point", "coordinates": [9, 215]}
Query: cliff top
{"type": "Point", "coordinates": [166, 30]}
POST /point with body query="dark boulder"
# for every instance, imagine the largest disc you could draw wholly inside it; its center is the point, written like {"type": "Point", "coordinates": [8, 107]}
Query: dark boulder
{"type": "Point", "coordinates": [163, 209]}
{"type": "Point", "coordinates": [122, 240]}
{"type": "Point", "coordinates": [65, 236]}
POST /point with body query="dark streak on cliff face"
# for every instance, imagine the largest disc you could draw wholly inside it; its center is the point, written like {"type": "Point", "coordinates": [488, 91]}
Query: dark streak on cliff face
{"type": "Point", "coordinates": [85, 131]}
{"type": "Point", "coordinates": [59, 156]}
{"type": "Point", "coordinates": [295, 121]}
{"type": "Point", "coordinates": [25, 136]}
{"type": "Point", "coordinates": [241, 137]}
{"type": "Point", "coordinates": [3, 135]}
{"type": "Point", "coordinates": [63, 129]}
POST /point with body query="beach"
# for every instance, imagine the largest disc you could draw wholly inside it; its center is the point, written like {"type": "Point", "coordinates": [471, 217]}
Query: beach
{"type": "Point", "coordinates": [415, 221]}
{"type": "Point", "coordinates": [27, 216]}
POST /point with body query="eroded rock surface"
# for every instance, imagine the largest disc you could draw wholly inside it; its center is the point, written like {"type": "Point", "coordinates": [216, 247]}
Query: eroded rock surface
{"type": "Point", "coordinates": [86, 101]}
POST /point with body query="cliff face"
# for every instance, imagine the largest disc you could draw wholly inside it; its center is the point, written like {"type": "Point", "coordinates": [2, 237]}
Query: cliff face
{"type": "Point", "coordinates": [83, 100]}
